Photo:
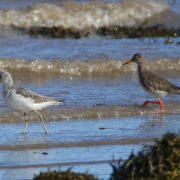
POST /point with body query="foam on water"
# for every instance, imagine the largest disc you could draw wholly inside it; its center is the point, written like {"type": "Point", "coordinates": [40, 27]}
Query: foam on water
{"type": "Point", "coordinates": [96, 112]}
{"type": "Point", "coordinates": [80, 16]}
{"type": "Point", "coordinates": [84, 69]}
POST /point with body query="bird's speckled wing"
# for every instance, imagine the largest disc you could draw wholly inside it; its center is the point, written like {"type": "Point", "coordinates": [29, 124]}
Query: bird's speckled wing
{"type": "Point", "coordinates": [158, 83]}
{"type": "Point", "coordinates": [36, 97]}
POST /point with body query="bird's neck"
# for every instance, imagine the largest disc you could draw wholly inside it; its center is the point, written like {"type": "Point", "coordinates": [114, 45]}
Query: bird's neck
{"type": "Point", "coordinates": [7, 81]}
{"type": "Point", "coordinates": [140, 68]}
{"type": "Point", "coordinates": [141, 72]}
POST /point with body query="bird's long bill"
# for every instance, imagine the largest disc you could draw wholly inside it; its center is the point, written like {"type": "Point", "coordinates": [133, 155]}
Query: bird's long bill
{"type": "Point", "coordinates": [129, 61]}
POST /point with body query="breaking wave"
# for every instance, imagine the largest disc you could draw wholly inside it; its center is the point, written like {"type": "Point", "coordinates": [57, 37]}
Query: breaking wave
{"type": "Point", "coordinates": [83, 15]}
{"type": "Point", "coordinates": [86, 68]}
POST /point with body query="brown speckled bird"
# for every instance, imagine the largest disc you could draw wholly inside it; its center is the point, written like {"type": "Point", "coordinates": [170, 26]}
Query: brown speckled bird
{"type": "Point", "coordinates": [153, 84]}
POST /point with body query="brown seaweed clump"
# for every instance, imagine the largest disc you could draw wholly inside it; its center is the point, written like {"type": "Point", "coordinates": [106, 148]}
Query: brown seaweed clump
{"type": "Point", "coordinates": [139, 32]}
{"type": "Point", "coordinates": [115, 31]}
{"type": "Point", "coordinates": [64, 175]}
{"type": "Point", "coordinates": [158, 162]}
{"type": "Point", "coordinates": [54, 32]}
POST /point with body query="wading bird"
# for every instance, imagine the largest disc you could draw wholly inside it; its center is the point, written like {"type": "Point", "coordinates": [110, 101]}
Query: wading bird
{"type": "Point", "coordinates": [153, 84]}
{"type": "Point", "coordinates": [24, 100]}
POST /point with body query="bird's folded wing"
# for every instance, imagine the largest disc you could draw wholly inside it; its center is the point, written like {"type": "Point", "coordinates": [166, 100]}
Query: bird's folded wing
{"type": "Point", "coordinates": [36, 97]}
{"type": "Point", "coordinates": [159, 84]}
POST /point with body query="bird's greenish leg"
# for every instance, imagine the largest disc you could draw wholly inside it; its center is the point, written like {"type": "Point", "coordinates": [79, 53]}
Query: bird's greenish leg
{"type": "Point", "coordinates": [26, 123]}
{"type": "Point", "coordinates": [40, 116]}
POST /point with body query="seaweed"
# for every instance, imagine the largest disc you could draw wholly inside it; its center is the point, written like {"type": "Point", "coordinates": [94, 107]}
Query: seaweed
{"type": "Point", "coordinates": [116, 31]}
{"type": "Point", "coordinates": [64, 175]}
{"type": "Point", "coordinates": [158, 162]}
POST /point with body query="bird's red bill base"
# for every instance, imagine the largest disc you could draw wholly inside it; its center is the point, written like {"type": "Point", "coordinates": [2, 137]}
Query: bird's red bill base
{"type": "Point", "coordinates": [129, 61]}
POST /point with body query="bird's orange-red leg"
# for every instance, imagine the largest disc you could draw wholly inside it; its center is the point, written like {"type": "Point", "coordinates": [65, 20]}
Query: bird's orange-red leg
{"type": "Point", "coordinates": [154, 102]}
{"type": "Point", "coordinates": [147, 102]}
{"type": "Point", "coordinates": [160, 101]}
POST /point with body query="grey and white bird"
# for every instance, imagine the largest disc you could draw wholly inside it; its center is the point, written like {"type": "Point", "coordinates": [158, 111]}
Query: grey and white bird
{"type": "Point", "coordinates": [155, 85]}
{"type": "Point", "coordinates": [24, 100]}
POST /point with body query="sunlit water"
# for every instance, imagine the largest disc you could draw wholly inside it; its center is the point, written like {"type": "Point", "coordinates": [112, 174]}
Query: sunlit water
{"type": "Point", "coordinates": [76, 142]}
{"type": "Point", "coordinates": [102, 113]}
{"type": "Point", "coordinates": [86, 49]}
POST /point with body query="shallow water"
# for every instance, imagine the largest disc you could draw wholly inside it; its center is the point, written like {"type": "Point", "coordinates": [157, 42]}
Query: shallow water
{"type": "Point", "coordinates": [68, 139]}
{"type": "Point", "coordinates": [86, 49]}
{"type": "Point", "coordinates": [102, 113]}
{"type": "Point", "coordinates": [73, 143]}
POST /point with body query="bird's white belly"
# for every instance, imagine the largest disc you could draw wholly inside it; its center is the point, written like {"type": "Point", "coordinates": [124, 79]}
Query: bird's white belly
{"type": "Point", "coordinates": [18, 102]}
{"type": "Point", "coordinates": [24, 104]}
{"type": "Point", "coordinates": [155, 93]}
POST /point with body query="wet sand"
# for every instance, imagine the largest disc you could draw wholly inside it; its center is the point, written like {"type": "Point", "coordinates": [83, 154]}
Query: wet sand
{"type": "Point", "coordinates": [93, 128]}
{"type": "Point", "coordinates": [99, 142]}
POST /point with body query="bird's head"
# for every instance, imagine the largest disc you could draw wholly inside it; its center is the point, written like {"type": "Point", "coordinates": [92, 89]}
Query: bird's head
{"type": "Point", "coordinates": [5, 78]}
{"type": "Point", "coordinates": [137, 58]}
{"type": "Point", "coordinates": [1, 75]}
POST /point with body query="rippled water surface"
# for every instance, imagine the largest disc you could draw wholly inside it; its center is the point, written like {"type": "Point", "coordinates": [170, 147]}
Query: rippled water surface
{"type": "Point", "coordinates": [86, 49]}
{"type": "Point", "coordinates": [102, 111]}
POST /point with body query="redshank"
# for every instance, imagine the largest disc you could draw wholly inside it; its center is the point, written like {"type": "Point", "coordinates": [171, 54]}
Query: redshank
{"type": "Point", "coordinates": [153, 84]}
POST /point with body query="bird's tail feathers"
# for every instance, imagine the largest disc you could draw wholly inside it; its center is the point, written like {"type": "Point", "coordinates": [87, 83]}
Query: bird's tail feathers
{"type": "Point", "coordinates": [56, 101]}
{"type": "Point", "coordinates": [177, 90]}
{"type": "Point", "coordinates": [61, 101]}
